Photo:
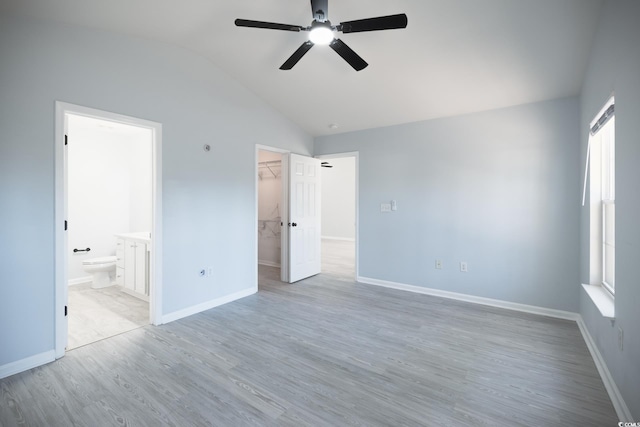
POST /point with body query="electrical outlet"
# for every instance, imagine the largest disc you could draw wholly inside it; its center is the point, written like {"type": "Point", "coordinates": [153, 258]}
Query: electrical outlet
{"type": "Point", "coordinates": [620, 339]}
{"type": "Point", "coordinates": [209, 271]}
{"type": "Point", "coordinates": [385, 207]}
{"type": "Point", "coordinates": [463, 266]}
{"type": "Point", "coordinates": [438, 264]}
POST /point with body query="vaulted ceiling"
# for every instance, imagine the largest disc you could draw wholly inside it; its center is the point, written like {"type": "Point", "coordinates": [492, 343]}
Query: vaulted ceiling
{"type": "Point", "coordinates": [454, 57]}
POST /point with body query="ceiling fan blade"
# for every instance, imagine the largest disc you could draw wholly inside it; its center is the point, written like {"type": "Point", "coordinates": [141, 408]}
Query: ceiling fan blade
{"type": "Point", "coordinates": [390, 22]}
{"type": "Point", "coordinates": [320, 10]}
{"type": "Point", "coordinates": [297, 55]}
{"type": "Point", "coordinates": [267, 25]}
{"type": "Point", "coordinates": [348, 54]}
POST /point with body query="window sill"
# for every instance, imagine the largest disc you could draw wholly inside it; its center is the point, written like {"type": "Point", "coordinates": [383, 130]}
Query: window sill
{"type": "Point", "coordinates": [602, 299]}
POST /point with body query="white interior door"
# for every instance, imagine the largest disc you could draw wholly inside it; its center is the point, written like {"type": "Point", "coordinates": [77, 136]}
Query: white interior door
{"type": "Point", "coordinates": [304, 217]}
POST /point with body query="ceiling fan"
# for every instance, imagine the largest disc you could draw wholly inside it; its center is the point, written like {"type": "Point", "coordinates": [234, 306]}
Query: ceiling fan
{"type": "Point", "coordinates": [321, 32]}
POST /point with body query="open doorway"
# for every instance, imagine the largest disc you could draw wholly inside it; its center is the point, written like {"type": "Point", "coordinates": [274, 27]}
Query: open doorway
{"type": "Point", "coordinates": [108, 225]}
{"type": "Point", "coordinates": [109, 189]}
{"type": "Point", "coordinates": [270, 188]}
{"type": "Point", "coordinates": [339, 215]}
{"type": "Point", "coordinates": [287, 196]}
{"type": "Point", "coordinates": [272, 203]}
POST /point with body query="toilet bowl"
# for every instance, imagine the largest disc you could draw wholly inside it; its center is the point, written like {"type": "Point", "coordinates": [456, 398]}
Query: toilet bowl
{"type": "Point", "coordinates": [99, 268]}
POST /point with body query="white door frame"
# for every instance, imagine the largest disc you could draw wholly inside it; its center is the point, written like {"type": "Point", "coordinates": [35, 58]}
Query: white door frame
{"type": "Point", "coordinates": [355, 154]}
{"type": "Point", "coordinates": [61, 237]}
{"type": "Point", "coordinates": [284, 210]}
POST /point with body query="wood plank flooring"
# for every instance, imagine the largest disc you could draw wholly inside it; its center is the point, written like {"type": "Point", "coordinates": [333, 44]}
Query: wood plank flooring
{"type": "Point", "coordinates": [325, 351]}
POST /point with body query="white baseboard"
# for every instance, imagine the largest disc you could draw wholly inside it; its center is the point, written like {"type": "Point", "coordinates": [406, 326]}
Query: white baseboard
{"type": "Point", "coordinates": [27, 363]}
{"type": "Point", "coordinates": [208, 305]}
{"type": "Point", "coordinates": [79, 281]}
{"type": "Point", "coordinates": [138, 295]}
{"type": "Point", "coordinates": [345, 239]}
{"type": "Point", "coordinates": [269, 263]}
{"type": "Point", "coordinates": [560, 314]}
{"type": "Point", "coordinates": [622, 410]}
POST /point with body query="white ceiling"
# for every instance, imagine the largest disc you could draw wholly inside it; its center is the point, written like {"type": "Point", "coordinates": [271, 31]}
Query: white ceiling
{"type": "Point", "coordinates": [454, 57]}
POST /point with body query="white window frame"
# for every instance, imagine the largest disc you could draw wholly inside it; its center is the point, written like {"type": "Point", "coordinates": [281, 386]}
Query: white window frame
{"type": "Point", "coordinates": [607, 178]}
{"type": "Point", "coordinates": [601, 169]}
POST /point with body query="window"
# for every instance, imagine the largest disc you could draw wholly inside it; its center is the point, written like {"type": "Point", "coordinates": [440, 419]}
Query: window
{"type": "Point", "coordinates": [602, 199]}
{"type": "Point", "coordinates": [608, 204]}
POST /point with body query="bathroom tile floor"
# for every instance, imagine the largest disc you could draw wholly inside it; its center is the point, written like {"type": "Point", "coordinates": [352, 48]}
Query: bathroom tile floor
{"type": "Point", "coordinates": [96, 314]}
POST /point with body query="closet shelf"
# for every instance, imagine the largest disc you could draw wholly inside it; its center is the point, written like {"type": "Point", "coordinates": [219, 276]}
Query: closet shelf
{"type": "Point", "coordinates": [268, 165]}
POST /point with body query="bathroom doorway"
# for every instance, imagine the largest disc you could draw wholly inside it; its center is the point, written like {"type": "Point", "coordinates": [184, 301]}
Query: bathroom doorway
{"type": "Point", "coordinates": [107, 191]}
{"type": "Point", "coordinates": [108, 205]}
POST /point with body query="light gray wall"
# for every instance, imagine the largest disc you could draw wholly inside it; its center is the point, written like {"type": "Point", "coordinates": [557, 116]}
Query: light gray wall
{"type": "Point", "coordinates": [498, 190]}
{"type": "Point", "coordinates": [209, 201]}
{"type": "Point", "coordinates": [614, 66]}
{"type": "Point", "coordinates": [339, 198]}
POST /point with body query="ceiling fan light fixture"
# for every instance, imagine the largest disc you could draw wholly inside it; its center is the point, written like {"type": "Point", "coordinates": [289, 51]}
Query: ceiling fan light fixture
{"type": "Point", "coordinates": [321, 33]}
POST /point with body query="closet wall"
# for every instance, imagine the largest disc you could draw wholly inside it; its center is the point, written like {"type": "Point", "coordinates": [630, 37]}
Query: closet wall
{"type": "Point", "coordinates": [269, 205]}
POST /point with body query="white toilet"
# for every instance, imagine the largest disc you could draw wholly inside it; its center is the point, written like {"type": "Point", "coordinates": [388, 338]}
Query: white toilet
{"type": "Point", "coordinates": [99, 268]}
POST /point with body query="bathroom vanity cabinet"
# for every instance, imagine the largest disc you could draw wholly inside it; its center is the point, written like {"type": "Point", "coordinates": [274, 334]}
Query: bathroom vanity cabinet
{"type": "Point", "coordinates": [132, 264]}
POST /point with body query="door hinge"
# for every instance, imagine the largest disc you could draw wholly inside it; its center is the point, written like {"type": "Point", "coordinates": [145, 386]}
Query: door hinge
{"type": "Point", "coordinates": [65, 139]}
{"type": "Point", "coordinates": [65, 310]}
{"type": "Point", "coordinates": [65, 225]}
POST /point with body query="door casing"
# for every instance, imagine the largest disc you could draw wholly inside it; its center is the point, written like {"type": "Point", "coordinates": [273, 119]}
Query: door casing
{"type": "Point", "coordinates": [62, 110]}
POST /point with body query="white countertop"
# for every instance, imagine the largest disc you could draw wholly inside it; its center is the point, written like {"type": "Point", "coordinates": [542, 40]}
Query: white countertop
{"type": "Point", "coordinates": [141, 236]}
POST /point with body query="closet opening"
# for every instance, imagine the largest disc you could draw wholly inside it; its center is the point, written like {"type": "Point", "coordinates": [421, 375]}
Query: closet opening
{"type": "Point", "coordinates": [271, 215]}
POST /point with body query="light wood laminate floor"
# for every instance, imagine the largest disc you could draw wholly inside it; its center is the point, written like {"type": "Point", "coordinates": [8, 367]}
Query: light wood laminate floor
{"type": "Point", "coordinates": [325, 351]}
{"type": "Point", "coordinates": [96, 314]}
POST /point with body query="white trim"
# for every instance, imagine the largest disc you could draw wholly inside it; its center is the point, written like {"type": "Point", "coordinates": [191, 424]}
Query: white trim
{"type": "Point", "coordinates": [60, 244]}
{"type": "Point", "coordinates": [79, 281]}
{"type": "Point", "coordinates": [285, 268]}
{"type": "Point", "coordinates": [269, 263]}
{"type": "Point", "coordinates": [338, 155]}
{"type": "Point", "coordinates": [622, 410]}
{"type": "Point", "coordinates": [155, 251]}
{"type": "Point", "coordinates": [355, 154]}
{"type": "Point", "coordinates": [542, 311]}
{"type": "Point", "coordinates": [343, 239]}
{"type": "Point", "coordinates": [27, 363]}
{"type": "Point", "coordinates": [62, 109]}
{"type": "Point", "coordinates": [198, 308]}
{"type": "Point", "coordinates": [602, 299]}
{"type": "Point", "coordinates": [134, 294]}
